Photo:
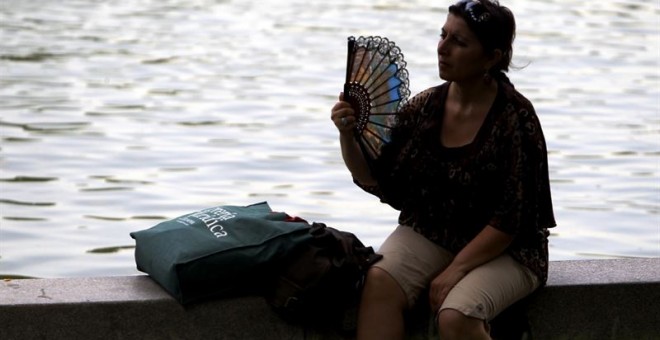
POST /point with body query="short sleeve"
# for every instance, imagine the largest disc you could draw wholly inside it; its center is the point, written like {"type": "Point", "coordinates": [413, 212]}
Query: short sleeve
{"type": "Point", "coordinates": [525, 204]}
{"type": "Point", "coordinates": [384, 169]}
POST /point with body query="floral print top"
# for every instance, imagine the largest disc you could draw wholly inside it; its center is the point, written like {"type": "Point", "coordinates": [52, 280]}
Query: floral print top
{"type": "Point", "coordinates": [450, 194]}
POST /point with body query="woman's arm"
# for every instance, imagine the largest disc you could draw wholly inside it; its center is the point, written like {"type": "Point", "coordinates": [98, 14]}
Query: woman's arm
{"type": "Point", "coordinates": [487, 245]}
{"type": "Point", "coordinates": [354, 159]}
{"type": "Point", "coordinates": [350, 149]}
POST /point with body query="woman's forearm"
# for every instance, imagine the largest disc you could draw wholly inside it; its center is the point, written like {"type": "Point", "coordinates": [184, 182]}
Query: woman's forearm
{"type": "Point", "coordinates": [354, 159]}
{"type": "Point", "coordinates": [343, 115]}
{"type": "Point", "coordinates": [487, 245]}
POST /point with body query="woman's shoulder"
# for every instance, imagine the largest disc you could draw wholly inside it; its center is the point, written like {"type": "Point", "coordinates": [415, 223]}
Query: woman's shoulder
{"type": "Point", "coordinates": [420, 98]}
{"type": "Point", "coordinates": [515, 99]}
{"type": "Point", "coordinates": [418, 102]}
{"type": "Point", "coordinates": [414, 107]}
{"type": "Point", "coordinates": [519, 113]}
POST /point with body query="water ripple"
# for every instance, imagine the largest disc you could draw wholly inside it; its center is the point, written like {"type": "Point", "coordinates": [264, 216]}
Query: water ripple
{"type": "Point", "coordinates": [27, 203]}
{"type": "Point", "coordinates": [116, 116]}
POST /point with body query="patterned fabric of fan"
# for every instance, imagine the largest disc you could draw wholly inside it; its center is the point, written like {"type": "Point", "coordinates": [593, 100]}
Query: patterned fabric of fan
{"type": "Point", "coordinates": [376, 87]}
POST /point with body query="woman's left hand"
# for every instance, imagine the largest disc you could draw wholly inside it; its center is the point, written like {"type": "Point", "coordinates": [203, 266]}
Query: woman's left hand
{"type": "Point", "coordinates": [443, 284]}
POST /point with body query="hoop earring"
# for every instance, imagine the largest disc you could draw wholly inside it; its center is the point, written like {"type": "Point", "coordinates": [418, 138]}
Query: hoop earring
{"type": "Point", "coordinates": [487, 77]}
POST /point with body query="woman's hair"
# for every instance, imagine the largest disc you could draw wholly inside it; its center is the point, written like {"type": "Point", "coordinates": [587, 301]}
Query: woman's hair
{"type": "Point", "coordinates": [494, 26]}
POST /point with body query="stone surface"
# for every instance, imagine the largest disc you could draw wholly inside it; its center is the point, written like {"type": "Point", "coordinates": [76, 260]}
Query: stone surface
{"type": "Point", "coordinates": [589, 272]}
{"type": "Point", "coordinates": [595, 299]}
{"type": "Point", "coordinates": [132, 307]}
{"type": "Point", "coordinates": [598, 299]}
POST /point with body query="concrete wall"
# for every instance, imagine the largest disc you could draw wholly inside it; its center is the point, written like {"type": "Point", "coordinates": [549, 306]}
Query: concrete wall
{"type": "Point", "coordinates": [599, 299]}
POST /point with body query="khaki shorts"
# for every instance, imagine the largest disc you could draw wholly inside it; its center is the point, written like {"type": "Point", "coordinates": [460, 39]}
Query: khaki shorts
{"type": "Point", "coordinates": [414, 261]}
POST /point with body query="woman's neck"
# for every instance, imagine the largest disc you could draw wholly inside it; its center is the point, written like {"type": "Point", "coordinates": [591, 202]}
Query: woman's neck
{"type": "Point", "coordinates": [465, 111]}
{"type": "Point", "coordinates": [467, 94]}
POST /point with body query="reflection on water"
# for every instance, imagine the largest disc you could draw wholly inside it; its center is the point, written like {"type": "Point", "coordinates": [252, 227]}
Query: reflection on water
{"type": "Point", "coordinates": [115, 117]}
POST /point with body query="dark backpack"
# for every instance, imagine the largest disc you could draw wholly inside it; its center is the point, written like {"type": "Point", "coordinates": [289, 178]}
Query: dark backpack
{"type": "Point", "coordinates": [321, 281]}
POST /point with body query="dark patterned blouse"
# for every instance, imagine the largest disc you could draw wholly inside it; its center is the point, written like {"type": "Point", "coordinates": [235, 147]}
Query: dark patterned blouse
{"type": "Point", "coordinates": [450, 194]}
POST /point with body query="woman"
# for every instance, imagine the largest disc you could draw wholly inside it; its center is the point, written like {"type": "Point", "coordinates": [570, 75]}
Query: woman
{"type": "Point", "coordinates": [467, 168]}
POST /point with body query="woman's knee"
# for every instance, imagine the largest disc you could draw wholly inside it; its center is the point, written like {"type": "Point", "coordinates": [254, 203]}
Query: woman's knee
{"type": "Point", "coordinates": [453, 324]}
{"type": "Point", "coordinates": [380, 284]}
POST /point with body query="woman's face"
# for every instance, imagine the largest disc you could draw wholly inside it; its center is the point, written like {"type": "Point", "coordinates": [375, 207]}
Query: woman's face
{"type": "Point", "coordinates": [460, 54]}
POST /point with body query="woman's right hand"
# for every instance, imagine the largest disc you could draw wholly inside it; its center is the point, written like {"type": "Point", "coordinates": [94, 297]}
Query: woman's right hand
{"type": "Point", "coordinates": [344, 118]}
{"type": "Point", "coordinates": [343, 115]}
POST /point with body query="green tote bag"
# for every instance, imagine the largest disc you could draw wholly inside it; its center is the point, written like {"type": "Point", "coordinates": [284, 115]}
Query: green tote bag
{"type": "Point", "coordinates": [218, 252]}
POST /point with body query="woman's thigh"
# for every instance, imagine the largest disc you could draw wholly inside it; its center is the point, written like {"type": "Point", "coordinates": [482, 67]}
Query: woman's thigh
{"type": "Point", "coordinates": [490, 288]}
{"type": "Point", "coordinates": [412, 260]}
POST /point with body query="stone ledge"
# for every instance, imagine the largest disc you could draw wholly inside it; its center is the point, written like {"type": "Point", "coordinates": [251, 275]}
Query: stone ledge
{"type": "Point", "coordinates": [598, 299]}
{"type": "Point", "coordinates": [132, 307]}
{"type": "Point", "coordinates": [587, 299]}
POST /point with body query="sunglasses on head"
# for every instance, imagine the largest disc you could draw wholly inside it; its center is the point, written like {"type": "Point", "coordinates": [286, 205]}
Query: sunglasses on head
{"type": "Point", "coordinates": [475, 9]}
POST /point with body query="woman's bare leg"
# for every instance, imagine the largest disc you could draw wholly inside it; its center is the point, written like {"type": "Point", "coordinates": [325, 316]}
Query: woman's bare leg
{"type": "Point", "coordinates": [453, 324]}
{"type": "Point", "coordinates": [381, 309]}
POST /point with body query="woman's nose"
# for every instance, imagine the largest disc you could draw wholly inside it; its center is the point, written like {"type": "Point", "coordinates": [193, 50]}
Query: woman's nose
{"type": "Point", "coordinates": [441, 47]}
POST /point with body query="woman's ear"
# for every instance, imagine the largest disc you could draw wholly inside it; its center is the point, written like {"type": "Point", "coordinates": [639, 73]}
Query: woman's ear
{"type": "Point", "coordinates": [494, 59]}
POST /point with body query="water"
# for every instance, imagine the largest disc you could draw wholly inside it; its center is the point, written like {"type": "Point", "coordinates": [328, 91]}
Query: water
{"type": "Point", "coordinates": [114, 117]}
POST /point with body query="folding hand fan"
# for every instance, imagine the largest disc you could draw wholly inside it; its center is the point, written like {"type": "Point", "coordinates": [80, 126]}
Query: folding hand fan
{"type": "Point", "coordinates": [376, 87]}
